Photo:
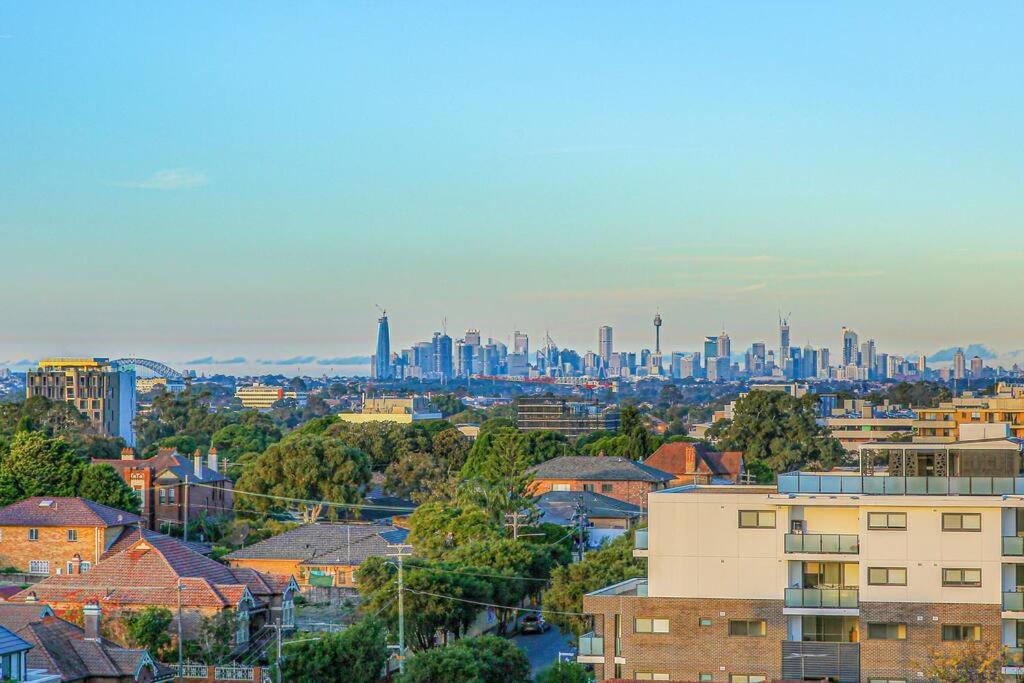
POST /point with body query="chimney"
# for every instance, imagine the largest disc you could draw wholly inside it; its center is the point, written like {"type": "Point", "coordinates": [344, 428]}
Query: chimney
{"type": "Point", "coordinates": [76, 564]}
{"type": "Point", "coordinates": [213, 459]}
{"type": "Point", "coordinates": [199, 464]}
{"type": "Point", "coordinates": [127, 453]}
{"type": "Point", "coordinates": [91, 614]}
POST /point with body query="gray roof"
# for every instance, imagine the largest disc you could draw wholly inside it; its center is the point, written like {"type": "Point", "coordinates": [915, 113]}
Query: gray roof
{"type": "Point", "coordinates": [41, 511]}
{"type": "Point", "coordinates": [10, 643]}
{"type": "Point", "coordinates": [325, 544]}
{"type": "Point", "coordinates": [598, 468]}
{"type": "Point", "coordinates": [559, 507]}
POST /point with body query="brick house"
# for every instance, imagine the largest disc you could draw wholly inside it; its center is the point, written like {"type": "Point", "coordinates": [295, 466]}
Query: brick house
{"type": "Point", "coordinates": [319, 554]}
{"type": "Point", "coordinates": [618, 478]}
{"type": "Point", "coordinates": [157, 570]}
{"type": "Point", "coordinates": [48, 536]}
{"type": "Point", "coordinates": [169, 484]}
{"type": "Point", "coordinates": [694, 463]}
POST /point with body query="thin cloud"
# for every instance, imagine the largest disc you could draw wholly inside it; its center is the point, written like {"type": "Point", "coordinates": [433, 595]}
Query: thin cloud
{"type": "Point", "coordinates": [294, 360]}
{"type": "Point", "coordinates": [831, 275]}
{"type": "Point", "coordinates": [168, 179]}
{"type": "Point", "coordinates": [720, 258]}
{"type": "Point", "coordinates": [210, 360]}
{"type": "Point", "coordinates": [344, 360]}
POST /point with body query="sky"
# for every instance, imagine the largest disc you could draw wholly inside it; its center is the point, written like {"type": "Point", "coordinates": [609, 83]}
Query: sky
{"type": "Point", "coordinates": [226, 180]}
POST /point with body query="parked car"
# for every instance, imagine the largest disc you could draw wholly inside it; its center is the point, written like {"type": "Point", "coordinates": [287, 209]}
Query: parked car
{"type": "Point", "coordinates": [533, 623]}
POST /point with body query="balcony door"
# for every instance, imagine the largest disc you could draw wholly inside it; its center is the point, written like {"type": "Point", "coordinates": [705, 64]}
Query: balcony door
{"type": "Point", "coordinates": [830, 575]}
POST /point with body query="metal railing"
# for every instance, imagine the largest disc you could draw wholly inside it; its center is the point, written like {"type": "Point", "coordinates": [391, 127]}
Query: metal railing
{"type": "Point", "coordinates": [841, 544]}
{"type": "Point", "coordinates": [826, 598]}
{"type": "Point", "coordinates": [591, 645]}
{"type": "Point", "coordinates": [640, 542]}
{"type": "Point", "coordinates": [803, 482]}
{"type": "Point", "coordinates": [1013, 545]}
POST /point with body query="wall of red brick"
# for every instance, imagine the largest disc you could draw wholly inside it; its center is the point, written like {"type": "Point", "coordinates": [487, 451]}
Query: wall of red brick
{"type": "Point", "coordinates": [634, 492]}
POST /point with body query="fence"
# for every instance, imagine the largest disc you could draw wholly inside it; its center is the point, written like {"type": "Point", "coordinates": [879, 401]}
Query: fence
{"type": "Point", "coordinates": [205, 673]}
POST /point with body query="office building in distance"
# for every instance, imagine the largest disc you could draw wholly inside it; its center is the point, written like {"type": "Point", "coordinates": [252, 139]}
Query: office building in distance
{"type": "Point", "coordinates": [102, 392]}
{"type": "Point", "coordinates": [263, 396]}
{"type": "Point", "coordinates": [571, 418]}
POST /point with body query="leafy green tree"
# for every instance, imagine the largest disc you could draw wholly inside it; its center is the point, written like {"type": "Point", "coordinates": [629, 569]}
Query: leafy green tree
{"type": "Point", "coordinates": [253, 433]}
{"type": "Point", "coordinates": [39, 466]}
{"type": "Point", "coordinates": [436, 528]}
{"type": "Point", "coordinates": [484, 659]}
{"type": "Point", "coordinates": [448, 404]}
{"type": "Point", "coordinates": [609, 564]}
{"type": "Point", "coordinates": [502, 470]}
{"type": "Point", "coordinates": [309, 468]}
{"type": "Point", "coordinates": [150, 629]}
{"type": "Point", "coordinates": [178, 414]}
{"type": "Point", "coordinates": [40, 414]}
{"type": "Point", "coordinates": [564, 672]}
{"type": "Point", "coordinates": [215, 638]}
{"type": "Point", "coordinates": [103, 484]}
{"type": "Point", "coordinates": [358, 652]}
{"type": "Point", "coordinates": [412, 476]}
{"type": "Point", "coordinates": [781, 431]}
{"type": "Point", "coordinates": [638, 441]}
{"type": "Point", "coordinates": [450, 448]}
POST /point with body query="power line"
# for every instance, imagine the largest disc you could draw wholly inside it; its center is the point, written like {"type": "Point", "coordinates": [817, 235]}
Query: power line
{"type": "Point", "coordinates": [327, 503]}
{"type": "Point", "coordinates": [489, 604]}
{"type": "Point", "coordinates": [485, 576]}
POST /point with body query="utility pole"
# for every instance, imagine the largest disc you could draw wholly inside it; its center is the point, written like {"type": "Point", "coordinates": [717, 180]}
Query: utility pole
{"type": "Point", "coordinates": [581, 520]}
{"type": "Point", "coordinates": [401, 604]}
{"type": "Point", "coordinates": [279, 658]}
{"type": "Point", "coordinates": [181, 662]}
{"type": "Point", "coordinates": [185, 502]}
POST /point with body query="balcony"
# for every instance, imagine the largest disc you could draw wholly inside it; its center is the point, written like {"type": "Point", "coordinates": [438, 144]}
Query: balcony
{"type": "Point", "coordinates": [803, 482]}
{"type": "Point", "coordinates": [823, 598]}
{"type": "Point", "coordinates": [590, 649]}
{"type": "Point", "coordinates": [824, 661]}
{"type": "Point", "coordinates": [1013, 546]}
{"type": "Point", "coordinates": [825, 544]}
{"type": "Point", "coordinates": [640, 543]}
{"type": "Point", "coordinates": [1013, 601]}
{"type": "Point", "coordinates": [1013, 656]}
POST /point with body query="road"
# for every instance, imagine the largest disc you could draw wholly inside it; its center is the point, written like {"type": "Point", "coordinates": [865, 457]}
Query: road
{"type": "Point", "coordinates": [542, 648]}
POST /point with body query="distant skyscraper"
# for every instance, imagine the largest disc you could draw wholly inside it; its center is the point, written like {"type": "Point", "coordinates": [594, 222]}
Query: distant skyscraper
{"type": "Point", "coordinates": [867, 356]}
{"type": "Point", "coordinates": [382, 359]}
{"type": "Point", "coordinates": [604, 344]}
{"type": "Point", "coordinates": [710, 349]}
{"type": "Point", "coordinates": [442, 346]}
{"type": "Point", "coordinates": [783, 337]}
{"type": "Point", "coordinates": [473, 337]}
{"type": "Point", "coordinates": [656, 365]}
{"type": "Point", "coordinates": [521, 343]}
{"type": "Point", "coordinates": [959, 371]}
{"type": "Point", "coordinates": [823, 362]}
{"type": "Point", "coordinates": [849, 347]}
{"type": "Point", "coordinates": [809, 362]}
{"type": "Point", "coordinates": [723, 347]}
{"type": "Point", "coordinates": [977, 366]}
{"type": "Point", "coordinates": [922, 364]}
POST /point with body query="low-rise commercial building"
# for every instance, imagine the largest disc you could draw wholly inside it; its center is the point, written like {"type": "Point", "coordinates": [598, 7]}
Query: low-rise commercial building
{"type": "Point", "coordinates": [827, 577]}
{"type": "Point", "coordinates": [263, 397]}
{"type": "Point", "coordinates": [400, 409]}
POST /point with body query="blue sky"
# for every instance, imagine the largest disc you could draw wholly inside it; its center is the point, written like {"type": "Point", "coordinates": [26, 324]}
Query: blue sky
{"type": "Point", "coordinates": [221, 179]}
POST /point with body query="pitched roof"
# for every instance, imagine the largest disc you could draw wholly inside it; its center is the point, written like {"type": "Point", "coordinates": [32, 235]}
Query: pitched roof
{"type": "Point", "coordinates": [148, 572]}
{"type": "Point", "coordinates": [10, 643]}
{"type": "Point", "coordinates": [15, 615]}
{"type": "Point", "coordinates": [168, 459]}
{"type": "Point", "coordinates": [559, 507]}
{"type": "Point", "coordinates": [62, 647]}
{"type": "Point", "coordinates": [324, 544]}
{"type": "Point", "coordinates": [131, 534]}
{"type": "Point", "coordinates": [684, 458]}
{"type": "Point", "coordinates": [598, 468]}
{"type": "Point", "coordinates": [41, 511]}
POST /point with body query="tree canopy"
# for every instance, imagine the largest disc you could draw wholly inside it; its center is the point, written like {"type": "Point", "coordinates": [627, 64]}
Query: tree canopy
{"type": "Point", "coordinates": [484, 659]}
{"type": "Point", "coordinates": [359, 652]}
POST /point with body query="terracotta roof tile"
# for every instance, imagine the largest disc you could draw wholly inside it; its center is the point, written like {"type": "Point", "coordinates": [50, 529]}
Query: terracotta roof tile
{"type": "Point", "coordinates": [41, 511]}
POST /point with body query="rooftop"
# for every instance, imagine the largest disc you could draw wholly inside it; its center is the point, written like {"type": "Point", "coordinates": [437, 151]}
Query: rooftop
{"type": "Point", "coordinates": [325, 544]}
{"type": "Point", "coordinates": [599, 468]}
{"type": "Point", "coordinates": [42, 511]}
{"type": "Point", "coordinates": [559, 507]}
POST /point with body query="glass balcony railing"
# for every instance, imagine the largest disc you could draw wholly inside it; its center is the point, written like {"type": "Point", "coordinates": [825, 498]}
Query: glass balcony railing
{"type": "Point", "coordinates": [825, 598]}
{"type": "Point", "coordinates": [1013, 601]}
{"type": "Point", "coordinates": [1013, 545]}
{"type": "Point", "coordinates": [640, 542]}
{"type": "Point", "coordinates": [590, 646]}
{"type": "Point", "coordinates": [1013, 656]}
{"type": "Point", "coordinates": [837, 544]}
{"type": "Point", "coordinates": [801, 482]}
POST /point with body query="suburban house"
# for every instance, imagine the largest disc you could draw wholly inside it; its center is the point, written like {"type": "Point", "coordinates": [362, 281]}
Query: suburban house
{"type": "Point", "coordinates": [60, 651]}
{"type": "Point", "coordinates": [171, 485]}
{"type": "Point", "coordinates": [694, 463]}
{"type": "Point", "coordinates": [619, 478]}
{"type": "Point", "coordinates": [48, 536]}
{"type": "Point", "coordinates": [160, 571]}
{"type": "Point", "coordinates": [320, 554]}
{"type": "Point", "coordinates": [604, 517]}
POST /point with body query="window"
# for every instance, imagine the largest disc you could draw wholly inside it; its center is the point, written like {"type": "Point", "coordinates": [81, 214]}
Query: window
{"type": "Point", "coordinates": [559, 487]}
{"type": "Point", "coordinates": [72, 535]}
{"type": "Point", "coordinates": [33, 534]}
{"type": "Point", "coordinates": [170, 495]}
{"type": "Point", "coordinates": [961, 521]}
{"type": "Point", "coordinates": [649, 676]}
{"type": "Point", "coordinates": [887, 631]}
{"type": "Point", "coordinates": [705, 677]}
{"type": "Point", "coordinates": [830, 629]}
{"type": "Point", "coordinates": [747, 678]}
{"type": "Point", "coordinates": [887, 576]}
{"type": "Point", "coordinates": [163, 496]}
{"type": "Point", "coordinates": [961, 632]}
{"type": "Point", "coordinates": [887, 520]}
{"type": "Point", "coordinates": [606, 488]}
{"type": "Point", "coordinates": [738, 627]}
{"type": "Point", "coordinates": [757, 519]}
{"type": "Point", "coordinates": [589, 487]}
{"type": "Point", "coordinates": [704, 622]}
{"type": "Point", "coordinates": [961, 577]}
{"type": "Point", "coordinates": [86, 566]}
{"type": "Point", "coordinates": [648, 625]}
{"type": "Point", "coordinates": [38, 567]}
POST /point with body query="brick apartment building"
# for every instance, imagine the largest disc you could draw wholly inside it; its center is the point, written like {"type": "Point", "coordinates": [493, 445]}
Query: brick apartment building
{"type": "Point", "coordinates": [619, 478]}
{"type": "Point", "coordinates": [827, 577]}
{"type": "Point", "coordinates": [171, 485]}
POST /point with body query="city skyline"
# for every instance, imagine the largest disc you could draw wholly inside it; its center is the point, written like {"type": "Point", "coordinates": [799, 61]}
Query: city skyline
{"type": "Point", "coordinates": [721, 163]}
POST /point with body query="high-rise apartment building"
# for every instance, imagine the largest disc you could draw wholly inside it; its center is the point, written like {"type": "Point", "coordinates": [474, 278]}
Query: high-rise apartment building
{"type": "Point", "coordinates": [521, 343]}
{"type": "Point", "coordinates": [783, 337]}
{"type": "Point", "coordinates": [442, 347]}
{"type": "Point", "coordinates": [850, 355]}
{"type": "Point", "coordinates": [724, 346]}
{"type": "Point", "coordinates": [382, 358]}
{"type": "Point", "coordinates": [977, 366]}
{"type": "Point", "coordinates": [604, 344]}
{"type": "Point", "coordinates": [102, 392]}
{"type": "Point", "coordinates": [828, 577]}
{"type": "Point", "coordinates": [867, 356]}
{"type": "Point", "coordinates": [809, 362]}
{"type": "Point", "coordinates": [922, 364]}
{"type": "Point", "coordinates": [959, 368]}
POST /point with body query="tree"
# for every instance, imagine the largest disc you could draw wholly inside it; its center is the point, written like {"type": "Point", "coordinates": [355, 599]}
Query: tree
{"type": "Point", "coordinates": [359, 651]}
{"type": "Point", "coordinates": [436, 528]}
{"type": "Point", "coordinates": [564, 672]}
{"type": "Point", "coordinates": [412, 476]}
{"type": "Point", "coordinates": [254, 432]}
{"type": "Point", "coordinates": [215, 638]}
{"type": "Point", "coordinates": [484, 659]}
{"type": "Point", "coordinates": [503, 470]}
{"type": "Point", "coordinates": [150, 629]}
{"type": "Point", "coordinates": [313, 469]}
{"type": "Point", "coordinates": [448, 404]}
{"type": "Point", "coordinates": [779, 430]}
{"type": "Point", "coordinates": [39, 466]}
{"type": "Point", "coordinates": [973, 663]}
{"type": "Point", "coordinates": [103, 484]}
{"type": "Point", "coordinates": [450, 448]}
{"type": "Point", "coordinates": [610, 564]}
{"type": "Point", "coordinates": [638, 441]}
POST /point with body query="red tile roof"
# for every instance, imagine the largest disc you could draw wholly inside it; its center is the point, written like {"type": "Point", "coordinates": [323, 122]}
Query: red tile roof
{"type": "Point", "coordinates": [41, 511]}
{"type": "Point", "coordinates": [686, 458]}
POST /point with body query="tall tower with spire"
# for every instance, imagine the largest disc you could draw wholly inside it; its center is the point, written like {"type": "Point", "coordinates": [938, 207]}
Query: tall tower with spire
{"type": "Point", "coordinates": [656, 366]}
{"type": "Point", "coordinates": [382, 359]}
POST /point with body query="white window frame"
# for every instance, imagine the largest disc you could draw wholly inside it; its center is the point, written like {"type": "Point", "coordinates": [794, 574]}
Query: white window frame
{"type": "Point", "coordinates": [39, 567]}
